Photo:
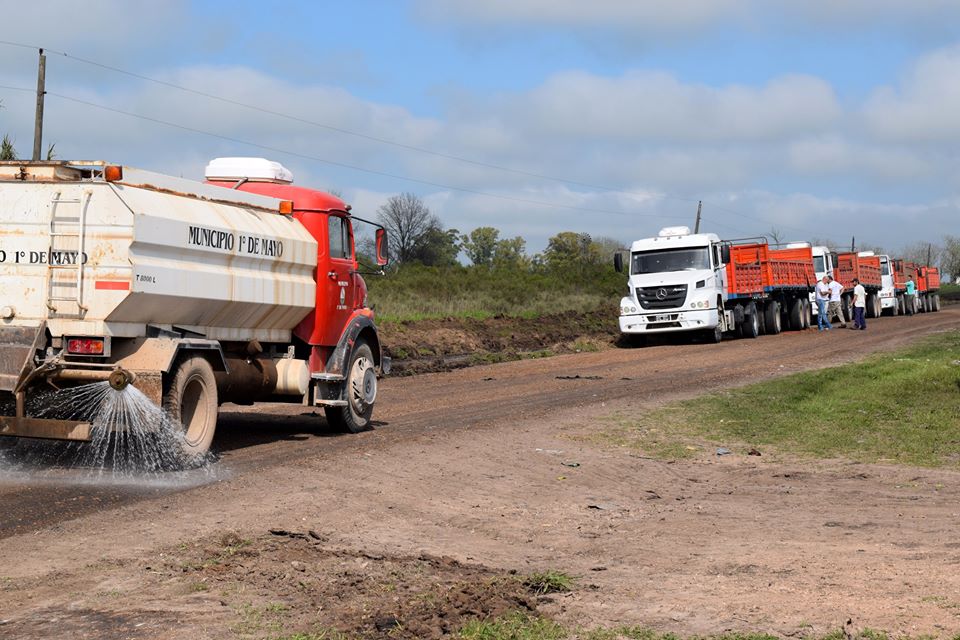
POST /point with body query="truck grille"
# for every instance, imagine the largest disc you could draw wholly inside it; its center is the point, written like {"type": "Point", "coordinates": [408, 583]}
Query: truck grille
{"type": "Point", "coordinates": [666, 297]}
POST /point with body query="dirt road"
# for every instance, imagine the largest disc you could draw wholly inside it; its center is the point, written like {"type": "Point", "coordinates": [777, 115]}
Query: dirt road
{"type": "Point", "coordinates": [470, 465]}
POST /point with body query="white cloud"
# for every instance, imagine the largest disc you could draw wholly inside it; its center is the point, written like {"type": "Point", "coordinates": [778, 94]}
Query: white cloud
{"type": "Point", "coordinates": [924, 106]}
{"type": "Point", "coordinates": [656, 106]}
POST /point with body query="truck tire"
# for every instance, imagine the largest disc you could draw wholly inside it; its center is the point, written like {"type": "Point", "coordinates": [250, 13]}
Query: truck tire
{"type": "Point", "coordinates": [771, 318]}
{"type": "Point", "coordinates": [806, 314]}
{"type": "Point", "coordinates": [360, 392]}
{"type": "Point", "coordinates": [871, 309]}
{"type": "Point", "coordinates": [191, 401]}
{"type": "Point", "coordinates": [901, 305]}
{"type": "Point", "coordinates": [751, 322]}
{"type": "Point", "coordinates": [936, 302]}
{"type": "Point", "coordinates": [795, 314]}
{"type": "Point", "coordinates": [846, 310]}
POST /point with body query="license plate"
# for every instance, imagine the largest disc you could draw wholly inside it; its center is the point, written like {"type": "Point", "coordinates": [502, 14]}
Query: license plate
{"type": "Point", "coordinates": [664, 317]}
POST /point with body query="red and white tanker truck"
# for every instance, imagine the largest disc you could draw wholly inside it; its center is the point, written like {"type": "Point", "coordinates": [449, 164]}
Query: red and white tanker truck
{"type": "Point", "coordinates": [245, 288]}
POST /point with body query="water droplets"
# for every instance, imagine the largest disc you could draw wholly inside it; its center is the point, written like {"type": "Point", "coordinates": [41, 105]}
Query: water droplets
{"type": "Point", "coordinates": [130, 435]}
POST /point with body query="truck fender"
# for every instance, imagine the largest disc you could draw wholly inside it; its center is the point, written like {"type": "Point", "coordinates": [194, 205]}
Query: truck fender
{"type": "Point", "coordinates": [360, 326]}
{"type": "Point", "coordinates": [159, 354]}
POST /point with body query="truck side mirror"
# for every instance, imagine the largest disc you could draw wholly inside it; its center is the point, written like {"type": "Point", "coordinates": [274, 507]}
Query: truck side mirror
{"type": "Point", "coordinates": [725, 254]}
{"type": "Point", "coordinates": [618, 262]}
{"type": "Point", "coordinates": [383, 248]}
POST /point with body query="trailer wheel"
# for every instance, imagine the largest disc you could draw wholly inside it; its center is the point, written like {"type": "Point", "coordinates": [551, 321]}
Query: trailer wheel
{"type": "Point", "coordinates": [191, 401]}
{"type": "Point", "coordinates": [795, 314]}
{"type": "Point", "coordinates": [771, 318]}
{"type": "Point", "coordinates": [361, 393]}
{"type": "Point", "coordinates": [751, 323]}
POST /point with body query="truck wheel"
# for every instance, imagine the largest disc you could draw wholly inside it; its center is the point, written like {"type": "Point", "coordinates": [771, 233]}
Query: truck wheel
{"type": "Point", "coordinates": [806, 314]}
{"type": "Point", "coordinates": [771, 318]}
{"type": "Point", "coordinates": [936, 302]}
{"type": "Point", "coordinates": [901, 305]}
{"type": "Point", "coordinates": [360, 392]}
{"type": "Point", "coordinates": [845, 310]}
{"type": "Point", "coordinates": [751, 323]}
{"type": "Point", "coordinates": [795, 314]}
{"type": "Point", "coordinates": [191, 402]}
{"type": "Point", "coordinates": [871, 309]}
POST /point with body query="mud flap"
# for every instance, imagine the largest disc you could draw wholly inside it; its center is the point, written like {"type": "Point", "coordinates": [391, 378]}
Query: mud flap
{"type": "Point", "coordinates": [17, 346]}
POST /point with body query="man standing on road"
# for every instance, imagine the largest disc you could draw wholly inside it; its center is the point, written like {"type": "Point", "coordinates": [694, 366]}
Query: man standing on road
{"type": "Point", "coordinates": [911, 295]}
{"type": "Point", "coordinates": [859, 305]}
{"type": "Point", "coordinates": [834, 310]}
{"type": "Point", "coordinates": [823, 297]}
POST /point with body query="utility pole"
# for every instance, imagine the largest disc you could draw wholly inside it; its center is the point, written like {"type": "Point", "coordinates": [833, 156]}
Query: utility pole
{"type": "Point", "coordinates": [38, 120]}
{"type": "Point", "coordinates": [853, 244]}
{"type": "Point", "coordinates": [929, 253]}
{"type": "Point", "coordinates": [696, 227]}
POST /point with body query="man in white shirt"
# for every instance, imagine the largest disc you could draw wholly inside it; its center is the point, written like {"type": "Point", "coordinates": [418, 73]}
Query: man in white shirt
{"type": "Point", "coordinates": [859, 305]}
{"type": "Point", "coordinates": [823, 298]}
{"type": "Point", "coordinates": [834, 310]}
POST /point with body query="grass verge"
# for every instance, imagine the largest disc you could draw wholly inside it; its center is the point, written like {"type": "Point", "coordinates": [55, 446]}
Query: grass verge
{"type": "Point", "coordinates": [898, 407]}
{"type": "Point", "coordinates": [523, 626]}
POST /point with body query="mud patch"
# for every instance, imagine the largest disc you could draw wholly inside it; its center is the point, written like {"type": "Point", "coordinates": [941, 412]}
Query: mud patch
{"type": "Point", "coordinates": [451, 343]}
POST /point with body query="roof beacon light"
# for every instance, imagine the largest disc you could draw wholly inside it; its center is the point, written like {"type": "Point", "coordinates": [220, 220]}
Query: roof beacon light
{"type": "Point", "coordinates": [113, 173]}
{"type": "Point", "coordinates": [666, 232]}
{"type": "Point", "coordinates": [251, 169]}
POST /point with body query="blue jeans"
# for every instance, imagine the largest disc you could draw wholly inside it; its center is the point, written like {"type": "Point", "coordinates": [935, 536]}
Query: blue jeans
{"type": "Point", "coordinates": [823, 322]}
{"type": "Point", "coordinates": [859, 321]}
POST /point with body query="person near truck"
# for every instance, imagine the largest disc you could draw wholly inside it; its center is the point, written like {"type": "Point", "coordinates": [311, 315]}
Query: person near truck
{"type": "Point", "coordinates": [859, 305]}
{"type": "Point", "coordinates": [834, 310]}
{"type": "Point", "coordinates": [823, 299]}
{"type": "Point", "coordinates": [911, 295]}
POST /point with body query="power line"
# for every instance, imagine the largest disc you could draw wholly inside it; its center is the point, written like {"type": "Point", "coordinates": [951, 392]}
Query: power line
{"type": "Point", "coordinates": [365, 136]}
{"type": "Point", "coordinates": [346, 165]}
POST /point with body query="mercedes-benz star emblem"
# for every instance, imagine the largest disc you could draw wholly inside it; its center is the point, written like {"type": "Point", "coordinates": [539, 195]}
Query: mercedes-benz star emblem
{"type": "Point", "coordinates": [661, 293]}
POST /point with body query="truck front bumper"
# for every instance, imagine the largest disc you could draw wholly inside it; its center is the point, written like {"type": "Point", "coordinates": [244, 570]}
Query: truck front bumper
{"type": "Point", "coordinates": [666, 321]}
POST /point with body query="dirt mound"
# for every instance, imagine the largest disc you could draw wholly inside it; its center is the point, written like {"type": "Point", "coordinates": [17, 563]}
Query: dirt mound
{"type": "Point", "coordinates": [450, 343]}
{"type": "Point", "coordinates": [290, 582]}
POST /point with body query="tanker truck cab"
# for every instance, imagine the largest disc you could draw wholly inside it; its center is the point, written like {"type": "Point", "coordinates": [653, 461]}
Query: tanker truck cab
{"type": "Point", "coordinates": [676, 282]}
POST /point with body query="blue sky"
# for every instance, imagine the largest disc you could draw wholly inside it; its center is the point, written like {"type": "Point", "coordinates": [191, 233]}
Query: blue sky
{"type": "Point", "coordinates": [817, 118]}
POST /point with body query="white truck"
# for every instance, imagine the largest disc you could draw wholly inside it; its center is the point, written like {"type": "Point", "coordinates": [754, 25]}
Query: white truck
{"type": "Point", "coordinates": [679, 281]}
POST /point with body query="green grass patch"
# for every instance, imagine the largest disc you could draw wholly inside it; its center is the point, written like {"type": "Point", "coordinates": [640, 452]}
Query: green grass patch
{"type": "Point", "coordinates": [514, 626]}
{"type": "Point", "coordinates": [415, 292]}
{"type": "Point", "coordinates": [523, 626]}
{"type": "Point", "coordinates": [950, 292]}
{"type": "Point", "coordinates": [897, 407]}
{"type": "Point", "coordinates": [549, 581]}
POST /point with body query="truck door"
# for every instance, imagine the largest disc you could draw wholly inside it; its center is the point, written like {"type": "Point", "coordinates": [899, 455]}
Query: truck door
{"type": "Point", "coordinates": [339, 278]}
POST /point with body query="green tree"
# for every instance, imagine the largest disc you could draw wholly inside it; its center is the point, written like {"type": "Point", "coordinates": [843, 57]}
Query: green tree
{"type": "Point", "coordinates": [570, 251]}
{"type": "Point", "coordinates": [510, 253]}
{"type": "Point", "coordinates": [480, 245]}
{"type": "Point", "coordinates": [7, 152]}
{"type": "Point", "coordinates": [950, 258]}
{"type": "Point", "coordinates": [436, 247]}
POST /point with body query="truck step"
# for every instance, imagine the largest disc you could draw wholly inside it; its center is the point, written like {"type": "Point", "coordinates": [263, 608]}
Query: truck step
{"type": "Point", "coordinates": [327, 377]}
{"type": "Point", "coordinates": [331, 403]}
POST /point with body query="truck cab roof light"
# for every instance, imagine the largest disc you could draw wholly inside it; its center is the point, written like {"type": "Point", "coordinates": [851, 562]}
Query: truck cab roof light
{"type": "Point", "coordinates": [113, 173]}
{"type": "Point", "coordinates": [286, 207]}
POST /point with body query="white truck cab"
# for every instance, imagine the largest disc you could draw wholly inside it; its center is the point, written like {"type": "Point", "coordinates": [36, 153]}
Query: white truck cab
{"type": "Point", "coordinates": [823, 264]}
{"type": "Point", "coordinates": [888, 291]}
{"type": "Point", "coordinates": [676, 283]}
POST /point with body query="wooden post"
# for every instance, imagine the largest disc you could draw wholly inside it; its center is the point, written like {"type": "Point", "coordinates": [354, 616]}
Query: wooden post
{"type": "Point", "coordinates": [38, 120]}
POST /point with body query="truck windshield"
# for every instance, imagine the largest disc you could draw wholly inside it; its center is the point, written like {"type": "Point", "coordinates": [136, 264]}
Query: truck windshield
{"type": "Point", "coordinates": [671, 260]}
{"type": "Point", "coordinates": [884, 267]}
{"type": "Point", "coordinates": [818, 265]}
